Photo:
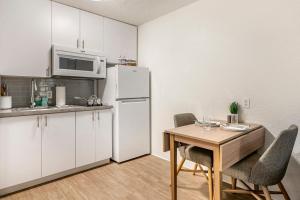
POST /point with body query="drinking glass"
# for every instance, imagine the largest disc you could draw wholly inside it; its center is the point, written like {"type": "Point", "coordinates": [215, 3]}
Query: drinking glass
{"type": "Point", "coordinates": [206, 123]}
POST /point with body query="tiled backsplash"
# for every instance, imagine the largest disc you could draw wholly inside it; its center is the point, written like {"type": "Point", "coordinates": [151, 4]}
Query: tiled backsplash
{"type": "Point", "coordinates": [20, 89]}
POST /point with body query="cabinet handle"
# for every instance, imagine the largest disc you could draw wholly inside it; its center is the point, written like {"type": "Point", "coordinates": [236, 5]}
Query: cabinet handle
{"type": "Point", "coordinates": [83, 44]}
{"type": "Point", "coordinates": [46, 121]}
{"type": "Point", "coordinates": [98, 116]}
{"type": "Point", "coordinates": [77, 43]}
{"type": "Point", "coordinates": [38, 121]}
{"type": "Point", "coordinates": [93, 116]}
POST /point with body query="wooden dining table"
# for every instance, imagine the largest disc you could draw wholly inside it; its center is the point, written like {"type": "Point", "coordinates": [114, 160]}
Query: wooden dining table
{"type": "Point", "coordinates": [228, 148]}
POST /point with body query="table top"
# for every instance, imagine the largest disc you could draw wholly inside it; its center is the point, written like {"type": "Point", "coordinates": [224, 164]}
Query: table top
{"type": "Point", "coordinates": [215, 135]}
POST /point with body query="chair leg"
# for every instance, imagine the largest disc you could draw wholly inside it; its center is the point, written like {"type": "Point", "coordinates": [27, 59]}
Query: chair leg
{"type": "Point", "coordinates": [195, 168]}
{"type": "Point", "coordinates": [266, 193]}
{"type": "Point", "coordinates": [233, 182]}
{"type": "Point", "coordinates": [180, 165]}
{"type": "Point", "coordinates": [203, 172]}
{"type": "Point", "coordinates": [282, 189]}
{"type": "Point", "coordinates": [210, 184]}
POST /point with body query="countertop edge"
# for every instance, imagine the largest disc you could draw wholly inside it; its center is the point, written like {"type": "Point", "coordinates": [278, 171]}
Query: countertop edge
{"type": "Point", "coordinates": [54, 111]}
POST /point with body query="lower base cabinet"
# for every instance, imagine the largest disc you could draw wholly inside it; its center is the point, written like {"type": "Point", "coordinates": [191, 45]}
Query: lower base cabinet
{"type": "Point", "coordinates": [85, 138]}
{"type": "Point", "coordinates": [58, 143]}
{"type": "Point", "coordinates": [33, 147]}
{"type": "Point", "coordinates": [20, 150]}
{"type": "Point", "coordinates": [93, 136]}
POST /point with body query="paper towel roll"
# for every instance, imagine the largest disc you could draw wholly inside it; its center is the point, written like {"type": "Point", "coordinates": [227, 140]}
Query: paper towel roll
{"type": "Point", "coordinates": [61, 96]}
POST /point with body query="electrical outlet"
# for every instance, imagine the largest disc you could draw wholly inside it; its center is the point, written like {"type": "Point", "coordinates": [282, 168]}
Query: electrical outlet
{"type": "Point", "coordinates": [246, 103]}
{"type": "Point", "coordinates": [49, 94]}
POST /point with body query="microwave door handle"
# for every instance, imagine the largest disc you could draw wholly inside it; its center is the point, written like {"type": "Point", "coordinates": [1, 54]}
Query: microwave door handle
{"type": "Point", "coordinates": [97, 66]}
{"type": "Point", "coordinates": [98, 69]}
{"type": "Point", "coordinates": [101, 66]}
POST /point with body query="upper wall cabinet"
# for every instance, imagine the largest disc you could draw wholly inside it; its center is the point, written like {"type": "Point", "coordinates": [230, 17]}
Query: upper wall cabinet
{"type": "Point", "coordinates": [25, 37]}
{"type": "Point", "coordinates": [65, 25]}
{"type": "Point", "coordinates": [76, 29]}
{"type": "Point", "coordinates": [128, 43]}
{"type": "Point", "coordinates": [91, 31]}
{"type": "Point", "coordinates": [120, 40]}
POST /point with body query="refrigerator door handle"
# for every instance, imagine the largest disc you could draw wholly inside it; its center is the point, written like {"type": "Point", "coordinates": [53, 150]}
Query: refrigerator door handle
{"type": "Point", "coordinates": [133, 100]}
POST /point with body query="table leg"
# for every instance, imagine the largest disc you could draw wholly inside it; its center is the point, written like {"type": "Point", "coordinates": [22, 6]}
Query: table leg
{"type": "Point", "coordinates": [173, 162]}
{"type": "Point", "coordinates": [217, 175]}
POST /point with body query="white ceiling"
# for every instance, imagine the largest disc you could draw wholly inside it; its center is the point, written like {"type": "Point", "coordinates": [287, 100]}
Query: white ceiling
{"type": "Point", "coordinates": [134, 12]}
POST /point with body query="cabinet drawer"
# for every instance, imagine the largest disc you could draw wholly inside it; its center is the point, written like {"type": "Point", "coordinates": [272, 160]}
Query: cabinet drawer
{"type": "Point", "coordinates": [237, 149]}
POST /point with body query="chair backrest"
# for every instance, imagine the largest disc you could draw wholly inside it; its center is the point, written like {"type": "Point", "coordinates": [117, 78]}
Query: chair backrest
{"type": "Point", "coordinates": [271, 166]}
{"type": "Point", "coordinates": [184, 119]}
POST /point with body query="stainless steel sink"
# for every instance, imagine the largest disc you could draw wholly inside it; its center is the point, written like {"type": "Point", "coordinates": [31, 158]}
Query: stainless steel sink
{"type": "Point", "coordinates": [33, 109]}
{"type": "Point", "coordinates": [46, 108]}
{"type": "Point", "coordinates": [28, 109]}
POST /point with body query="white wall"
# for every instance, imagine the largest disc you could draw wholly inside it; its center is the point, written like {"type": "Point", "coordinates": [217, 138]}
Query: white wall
{"type": "Point", "coordinates": [210, 53]}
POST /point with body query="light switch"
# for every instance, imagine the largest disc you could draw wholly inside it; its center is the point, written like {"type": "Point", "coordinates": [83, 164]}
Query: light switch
{"type": "Point", "coordinates": [246, 103]}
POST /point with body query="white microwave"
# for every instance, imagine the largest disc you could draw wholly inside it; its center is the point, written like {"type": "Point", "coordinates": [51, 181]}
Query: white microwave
{"type": "Point", "coordinates": [77, 63]}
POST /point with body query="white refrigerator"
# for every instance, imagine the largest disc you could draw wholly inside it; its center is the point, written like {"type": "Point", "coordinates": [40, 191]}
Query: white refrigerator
{"type": "Point", "coordinates": [127, 89]}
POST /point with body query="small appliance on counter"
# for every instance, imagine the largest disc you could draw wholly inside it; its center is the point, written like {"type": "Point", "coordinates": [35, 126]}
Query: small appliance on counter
{"type": "Point", "coordinates": [90, 101]}
{"type": "Point", "coordinates": [5, 100]}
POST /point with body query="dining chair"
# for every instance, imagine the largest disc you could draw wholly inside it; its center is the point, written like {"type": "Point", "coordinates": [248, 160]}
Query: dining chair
{"type": "Point", "coordinates": [265, 170]}
{"type": "Point", "coordinates": [201, 157]}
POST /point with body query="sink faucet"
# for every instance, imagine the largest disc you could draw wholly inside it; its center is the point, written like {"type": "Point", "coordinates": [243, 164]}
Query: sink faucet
{"type": "Point", "coordinates": [33, 89]}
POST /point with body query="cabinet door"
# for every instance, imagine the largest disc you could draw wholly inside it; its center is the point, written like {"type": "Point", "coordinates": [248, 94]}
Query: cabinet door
{"type": "Point", "coordinates": [128, 41]}
{"type": "Point", "coordinates": [58, 143]}
{"type": "Point", "coordinates": [65, 25]}
{"type": "Point", "coordinates": [104, 135]}
{"type": "Point", "coordinates": [85, 138]}
{"type": "Point", "coordinates": [20, 150]}
{"type": "Point", "coordinates": [25, 37]}
{"type": "Point", "coordinates": [91, 26]}
{"type": "Point", "coordinates": [112, 40]}
{"type": "Point", "coordinates": [120, 40]}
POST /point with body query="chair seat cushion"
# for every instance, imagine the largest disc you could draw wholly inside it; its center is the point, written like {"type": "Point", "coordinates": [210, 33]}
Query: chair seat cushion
{"type": "Point", "coordinates": [199, 155]}
{"type": "Point", "coordinates": [242, 169]}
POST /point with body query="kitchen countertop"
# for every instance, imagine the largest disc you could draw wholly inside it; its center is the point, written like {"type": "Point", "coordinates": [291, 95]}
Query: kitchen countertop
{"type": "Point", "coordinates": [16, 112]}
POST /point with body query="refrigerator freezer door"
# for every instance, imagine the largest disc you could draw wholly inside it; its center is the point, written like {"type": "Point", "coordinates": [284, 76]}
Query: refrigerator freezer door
{"type": "Point", "coordinates": [132, 82]}
{"type": "Point", "coordinates": [133, 126]}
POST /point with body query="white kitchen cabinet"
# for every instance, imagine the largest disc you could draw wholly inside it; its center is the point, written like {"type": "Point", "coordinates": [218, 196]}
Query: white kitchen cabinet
{"type": "Point", "coordinates": [33, 147]}
{"type": "Point", "coordinates": [25, 37]}
{"type": "Point", "coordinates": [103, 135]}
{"type": "Point", "coordinates": [91, 31]}
{"type": "Point", "coordinates": [58, 143]}
{"type": "Point", "coordinates": [74, 28]}
{"type": "Point", "coordinates": [93, 136]}
{"type": "Point", "coordinates": [85, 138]}
{"type": "Point", "coordinates": [65, 25]}
{"type": "Point", "coordinates": [20, 150]}
{"type": "Point", "coordinates": [120, 40]}
{"type": "Point", "coordinates": [128, 43]}
{"type": "Point", "coordinates": [112, 40]}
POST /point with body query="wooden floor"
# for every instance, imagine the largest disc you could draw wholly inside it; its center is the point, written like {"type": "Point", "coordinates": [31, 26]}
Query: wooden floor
{"type": "Point", "coordinates": [146, 178]}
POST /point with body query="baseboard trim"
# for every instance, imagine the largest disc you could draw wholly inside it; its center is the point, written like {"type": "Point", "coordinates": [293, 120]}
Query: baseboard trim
{"type": "Point", "coordinates": [47, 179]}
{"type": "Point", "coordinates": [160, 157]}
